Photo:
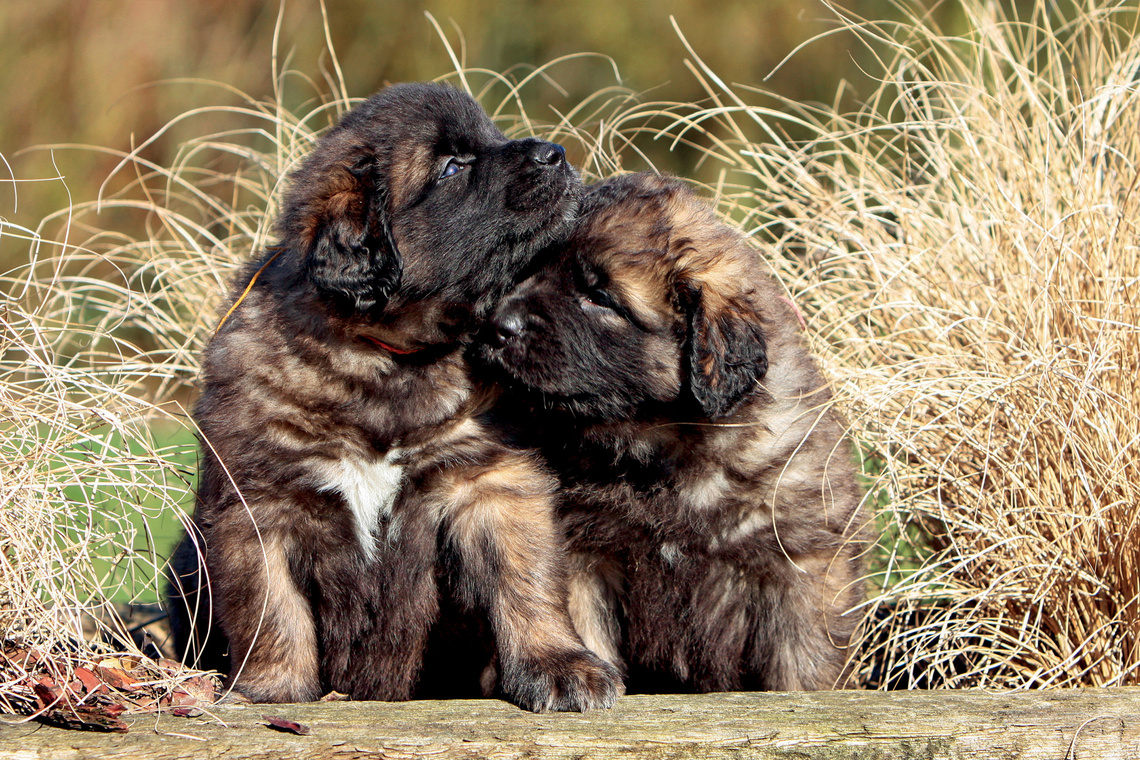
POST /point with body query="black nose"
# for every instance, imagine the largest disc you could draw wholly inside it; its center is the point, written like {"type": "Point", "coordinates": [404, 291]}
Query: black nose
{"type": "Point", "coordinates": [547, 154]}
{"type": "Point", "coordinates": [508, 326]}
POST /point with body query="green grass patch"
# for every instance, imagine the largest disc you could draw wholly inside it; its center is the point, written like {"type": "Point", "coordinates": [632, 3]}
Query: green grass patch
{"type": "Point", "coordinates": [122, 502]}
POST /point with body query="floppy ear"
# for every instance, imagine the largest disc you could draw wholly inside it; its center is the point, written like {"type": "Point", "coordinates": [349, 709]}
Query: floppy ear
{"type": "Point", "coordinates": [339, 211]}
{"type": "Point", "coordinates": [725, 350]}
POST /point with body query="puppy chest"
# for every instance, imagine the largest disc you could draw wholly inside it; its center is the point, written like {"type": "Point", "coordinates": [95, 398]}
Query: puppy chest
{"type": "Point", "coordinates": [368, 488]}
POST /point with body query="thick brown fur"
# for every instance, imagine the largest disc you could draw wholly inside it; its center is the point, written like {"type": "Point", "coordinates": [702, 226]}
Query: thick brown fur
{"type": "Point", "coordinates": [709, 495]}
{"type": "Point", "coordinates": [348, 492]}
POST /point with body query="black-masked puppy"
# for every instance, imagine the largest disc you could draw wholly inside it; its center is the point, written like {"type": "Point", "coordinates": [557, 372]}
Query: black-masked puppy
{"type": "Point", "coordinates": [708, 494]}
{"type": "Point", "coordinates": [347, 490]}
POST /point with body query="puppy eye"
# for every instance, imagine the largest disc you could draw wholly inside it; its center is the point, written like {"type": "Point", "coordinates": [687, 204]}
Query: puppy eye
{"type": "Point", "coordinates": [599, 298]}
{"type": "Point", "coordinates": [452, 167]}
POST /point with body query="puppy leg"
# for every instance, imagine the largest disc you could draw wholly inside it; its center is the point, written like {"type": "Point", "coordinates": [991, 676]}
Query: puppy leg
{"type": "Point", "coordinates": [269, 622]}
{"type": "Point", "coordinates": [374, 616]}
{"type": "Point", "coordinates": [501, 537]}
{"type": "Point", "coordinates": [594, 585]}
{"type": "Point", "coordinates": [804, 638]}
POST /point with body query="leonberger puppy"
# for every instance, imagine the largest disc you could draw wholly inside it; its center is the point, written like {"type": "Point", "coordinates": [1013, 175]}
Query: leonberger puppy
{"type": "Point", "coordinates": [348, 488]}
{"type": "Point", "coordinates": [709, 496]}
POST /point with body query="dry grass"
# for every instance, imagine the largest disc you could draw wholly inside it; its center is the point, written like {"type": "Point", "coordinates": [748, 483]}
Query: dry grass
{"type": "Point", "coordinates": [80, 476]}
{"type": "Point", "coordinates": [966, 247]}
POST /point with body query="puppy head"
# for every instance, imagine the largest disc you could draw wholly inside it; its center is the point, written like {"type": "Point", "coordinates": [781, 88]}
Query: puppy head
{"type": "Point", "coordinates": [652, 302]}
{"type": "Point", "coordinates": [415, 195]}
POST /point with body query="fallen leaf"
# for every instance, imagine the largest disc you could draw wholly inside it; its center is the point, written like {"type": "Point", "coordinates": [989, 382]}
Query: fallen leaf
{"type": "Point", "coordinates": [115, 678]}
{"type": "Point", "coordinates": [179, 698]}
{"type": "Point", "coordinates": [19, 656]}
{"type": "Point", "coordinates": [86, 718]}
{"type": "Point", "coordinates": [47, 693]}
{"type": "Point", "coordinates": [146, 706]}
{"type": "Point", "coordinates": [202, 688]}
{"type": "Point", "coordinates": [47, 682]}
{"type": "Point", "coordinates": [289, 726]}
{"type": "Point", "coordinates": [90, 681]}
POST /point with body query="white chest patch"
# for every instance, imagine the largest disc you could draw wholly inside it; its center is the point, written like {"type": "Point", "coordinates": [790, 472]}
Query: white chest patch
{"type": "Point", "coordinates": [370, 490]}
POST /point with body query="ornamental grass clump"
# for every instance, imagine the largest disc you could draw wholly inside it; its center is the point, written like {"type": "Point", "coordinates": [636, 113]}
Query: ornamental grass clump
{"type": "Point", "coordinates": [81, 479]}
{"type": "Point", "coordinates": [965, 245]}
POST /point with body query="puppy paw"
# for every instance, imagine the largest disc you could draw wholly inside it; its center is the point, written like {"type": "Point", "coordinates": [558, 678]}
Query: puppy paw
{"type": "Point", "coordinates": [276, 688]}
{"type": "Point", "coordinates": [575, 680]}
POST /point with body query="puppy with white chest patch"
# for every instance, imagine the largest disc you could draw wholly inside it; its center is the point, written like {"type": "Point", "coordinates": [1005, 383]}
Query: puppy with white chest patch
{"type": "Point", "coordinates": [349, 494]}
{"type": "Point", "coordinates": [709, 496]}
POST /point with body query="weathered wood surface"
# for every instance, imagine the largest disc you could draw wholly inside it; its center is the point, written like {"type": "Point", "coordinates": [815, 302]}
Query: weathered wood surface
{"type": "Point", "coordinates": [1102, 724]}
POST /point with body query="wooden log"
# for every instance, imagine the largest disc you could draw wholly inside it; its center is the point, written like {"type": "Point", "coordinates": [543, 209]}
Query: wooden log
{"type": "Point", "coordinates": [1054, 725]}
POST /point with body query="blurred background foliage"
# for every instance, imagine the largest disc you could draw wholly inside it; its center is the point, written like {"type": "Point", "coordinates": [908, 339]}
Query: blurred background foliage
{"type": "Point", "coordinates": [113, 73]}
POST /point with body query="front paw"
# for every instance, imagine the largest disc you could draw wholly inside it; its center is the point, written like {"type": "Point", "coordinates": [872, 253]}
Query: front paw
{"type": "Point", "coordinates": [574, 680]}
{"type": "Point", "coordinates": [271, 687]}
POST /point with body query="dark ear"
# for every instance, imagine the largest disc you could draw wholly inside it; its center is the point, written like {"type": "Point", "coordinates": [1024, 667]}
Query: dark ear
{"type": "Point", "coordinates": [725, 350]}
{"type": "Point", "coordinates": [339, 212]}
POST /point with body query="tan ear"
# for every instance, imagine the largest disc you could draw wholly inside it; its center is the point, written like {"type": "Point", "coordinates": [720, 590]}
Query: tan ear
{"type": "Point", "coordinates": [725, 349]}
{"type": "Point", "coordinates": [337, 212]}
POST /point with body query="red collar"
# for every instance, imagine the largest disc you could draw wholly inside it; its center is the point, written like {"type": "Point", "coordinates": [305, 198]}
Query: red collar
{"type": "Point", "coordinates": [386, 347]}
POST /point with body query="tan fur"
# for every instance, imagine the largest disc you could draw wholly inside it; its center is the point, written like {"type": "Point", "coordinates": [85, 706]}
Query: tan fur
{"type": "Point", "coordinates": [595, 588]}
{"type": "Point", "coordinates": [509, 503]}
{"type": "Point", "coordinates": [283, 659]}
